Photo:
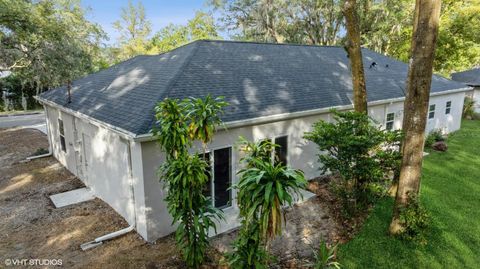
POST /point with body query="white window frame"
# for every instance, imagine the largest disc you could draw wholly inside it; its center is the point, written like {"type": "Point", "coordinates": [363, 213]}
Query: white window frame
{"type": "Point", "coordinates": [430, 110]}
{"type": "Point", "coordinates": [390, 121]}
{"type": "Point", "coordinates": [448, 108]}
{"type": "Point", "coordinates": [61, 133]}
{"type": "Point", "coordinates": [211, 160]}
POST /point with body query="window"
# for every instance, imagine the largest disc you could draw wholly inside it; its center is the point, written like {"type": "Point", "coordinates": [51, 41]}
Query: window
{"type": "Point", "coordinates": [281, 152]}
{"type": "Point", "coordinates": [62, 135]}
{"type": "Point", "coordinates": [220, 167]}
{"type": "Point", "coordinates": [431, 112]}
{"type": "Point", "coordinates": [448, 108]}
{"type": "Point", "coordinates": [222, 177]}
{"type": "Point", "coordinates": [390, 120]}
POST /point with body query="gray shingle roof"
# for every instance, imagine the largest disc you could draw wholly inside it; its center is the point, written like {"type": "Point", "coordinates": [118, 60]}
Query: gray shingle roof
{"type": "Point", "coordinates": [469, 77]}
{"type": "Point", "coordinates": [256, 79]}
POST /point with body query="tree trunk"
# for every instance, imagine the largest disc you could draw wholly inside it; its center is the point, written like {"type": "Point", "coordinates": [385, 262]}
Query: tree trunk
{"type": "Point", "coordinates": [355, 55]}
{"type": "Point", "coordinates": [427, 13]}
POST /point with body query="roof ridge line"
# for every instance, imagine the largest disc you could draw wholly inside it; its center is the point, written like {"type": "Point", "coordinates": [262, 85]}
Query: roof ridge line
{"type": "Point", "coordinates": [268, 43]}
{"type": "Point", "coordinates": [188, 59]}
{"type": "Point", "coordinates": [130, 59]}
{"type": "Point", "coordinates": [174, 79]}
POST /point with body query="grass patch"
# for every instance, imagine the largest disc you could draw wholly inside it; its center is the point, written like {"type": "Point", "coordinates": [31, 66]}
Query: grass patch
{"type": "Point", "coordinates": [451, 193]}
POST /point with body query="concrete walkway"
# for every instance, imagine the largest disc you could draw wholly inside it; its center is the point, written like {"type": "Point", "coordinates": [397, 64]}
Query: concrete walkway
{"type": "Point", "coordinates": [72, 197]}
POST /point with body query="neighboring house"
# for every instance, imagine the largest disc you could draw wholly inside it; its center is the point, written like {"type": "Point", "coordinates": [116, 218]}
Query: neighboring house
{"type": "Point", "coordinates": [275, 91]}
{"type": "Point", "coordinates": [471, 78]}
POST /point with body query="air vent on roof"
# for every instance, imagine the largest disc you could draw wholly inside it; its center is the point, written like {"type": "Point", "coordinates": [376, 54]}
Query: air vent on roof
{"type": "Point", "coordinates": [373, 64]}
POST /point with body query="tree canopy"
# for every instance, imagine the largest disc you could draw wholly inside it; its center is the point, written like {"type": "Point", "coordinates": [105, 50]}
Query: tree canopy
{"type": "Point", "coordinates": [134, 29]}
{"type": "Point", "coordinates": [202, 26]}
{"type": "Point", "coordinates": [47, 43]}
{"type": "Point", "coordinates": [385, 25]}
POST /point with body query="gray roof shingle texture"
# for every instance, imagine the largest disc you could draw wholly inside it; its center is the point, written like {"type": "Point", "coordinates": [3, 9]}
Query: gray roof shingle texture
{"type": "Point", "coordinates": [469, 77]}
{"type": "Point", "coordinates": [256, 79]}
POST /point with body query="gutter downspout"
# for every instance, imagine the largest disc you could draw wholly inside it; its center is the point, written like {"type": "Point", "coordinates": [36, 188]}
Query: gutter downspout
{"type": "Point", "coordinates": [99, 240]}
{"type": "Point", "coordinates": [40, 156]}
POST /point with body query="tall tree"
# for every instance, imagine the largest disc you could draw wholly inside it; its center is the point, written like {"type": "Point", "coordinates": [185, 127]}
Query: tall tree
{"type": "Point", "coordinates": [355, 55]}
{"type": "Point", "coordinates": [458, 45]}
{"type": "Point", "coordinates": [383, 23]}
{"type": "Point", "coordinates": [425, 31]}
{"type": "Point", "coordinates": [298, 21]}
{"type": "Point", "coordinates": [47, 43]}
{"type": "Point", "coordinates": [134, 29]}
{"type": "Point", "coordinates": [202, 26]}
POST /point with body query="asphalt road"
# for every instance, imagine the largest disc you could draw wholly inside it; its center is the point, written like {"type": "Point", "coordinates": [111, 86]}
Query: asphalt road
{"type": "Point", "coordinates": [34, 121]}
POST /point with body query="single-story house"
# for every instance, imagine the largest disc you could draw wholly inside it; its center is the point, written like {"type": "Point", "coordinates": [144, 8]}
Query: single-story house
{"type": "Point", "coordinates": [471, 78]}
{"type": "Point", "coordinates": [275, 91]}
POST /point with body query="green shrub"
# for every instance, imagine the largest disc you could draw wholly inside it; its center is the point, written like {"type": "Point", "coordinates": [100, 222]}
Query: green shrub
{"type": "Point", "coordinates": [432, 137]}
{"type": "Point", "coordinates": [360, 153]}
{"type": "Point", "coordinates": [415, 219]}
{"type": "Point", "coordinates": [324, 257]}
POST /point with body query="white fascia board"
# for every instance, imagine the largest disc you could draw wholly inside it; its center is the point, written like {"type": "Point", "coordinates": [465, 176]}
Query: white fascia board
{"type": "Point", "coordinates": [123, 133]}
{"type": "Point", "coordinates": [299, 114]}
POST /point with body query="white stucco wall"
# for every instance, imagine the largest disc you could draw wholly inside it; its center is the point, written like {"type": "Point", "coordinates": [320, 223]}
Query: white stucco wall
{"type": "Point", "coordinates": [106, 170]}
{"type": "Point", "coordinates": [110, 166]}
{"type": "Point", "coordinates": [302, 154]}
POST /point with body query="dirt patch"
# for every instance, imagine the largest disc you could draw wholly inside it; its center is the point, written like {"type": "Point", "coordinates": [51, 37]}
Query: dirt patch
{"type": "Point", "coordinates": [345, 228]}
{"type": "Point", "coordinates": [307, 224]}
{"type": "Point", "coordinates": [31, 227]}
{"type": "Point", "coordinates": [319, 218]}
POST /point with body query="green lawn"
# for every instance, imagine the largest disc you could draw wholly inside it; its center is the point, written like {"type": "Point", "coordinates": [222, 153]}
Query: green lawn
{"type": "Point", "coordinates": [451, 193]}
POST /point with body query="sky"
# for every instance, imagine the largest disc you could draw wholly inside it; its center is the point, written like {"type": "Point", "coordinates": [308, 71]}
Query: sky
{"type": "Point", "coordinates": [159, 12]}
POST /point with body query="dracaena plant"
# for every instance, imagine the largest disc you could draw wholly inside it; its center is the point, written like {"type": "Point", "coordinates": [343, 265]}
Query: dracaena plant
{"type": "Point", "coordinates": [171, 128]}
{"type": "Point", "coordinates": [185, 180]}
{"type": "Point", "coordinates": [204, 117]}
{"type": "Point", "coordinates": [263, 189]}
{"type": "Point", "coordinates": [185, 175]}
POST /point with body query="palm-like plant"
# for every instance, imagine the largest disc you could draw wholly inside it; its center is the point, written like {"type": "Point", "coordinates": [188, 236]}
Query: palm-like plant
{"type": "Point", "coordinates": [204, 116]}
{"type": "Point", "coordinates": [185, 175]}
{"type": "Point", "coordinates": [263, 189]}
{"type": "Point", "coordinates": [193, 212]}
{"type": "Point", "coordinates": [325, 257]}
{"type": "Point", "coordinates": [256, 151]}
{"type": "Point", "coordinates": [171, 127]}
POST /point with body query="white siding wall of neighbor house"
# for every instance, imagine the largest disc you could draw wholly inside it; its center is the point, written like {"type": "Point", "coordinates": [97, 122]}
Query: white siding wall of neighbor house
{"type": "Point", "coordinates": [476, 98]}
{"type": "Point", "coordinates": [302, 154]}
{"type": "Point", "coordinates": [98, 156]}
